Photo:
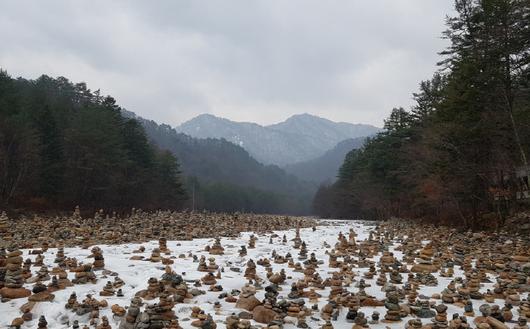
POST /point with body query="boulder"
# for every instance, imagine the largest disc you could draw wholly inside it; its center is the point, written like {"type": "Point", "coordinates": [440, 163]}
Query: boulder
{"type": "Point", "coordinates": [262, 314]}
{"type": "Point", "coordinates": [496, 324]}
{"type": "Point", "coordinates": [27, 307]}
{"type": "Point", "coordinates": [42, 296]}
{"type": "Point", "coordinates": [13, 293]}
{"type": "Point", "coordinates": [247, 303]}
{"type": "Point", "coordinates": [372, 302]}
{"type": "Point", "coordinates": [422, 268]}
{"type": "Point", "coordinates": [17, 322]}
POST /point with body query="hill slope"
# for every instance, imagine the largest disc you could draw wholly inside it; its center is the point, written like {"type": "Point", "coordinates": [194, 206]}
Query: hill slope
{"type": "Point", "coordinates": [325, 167]}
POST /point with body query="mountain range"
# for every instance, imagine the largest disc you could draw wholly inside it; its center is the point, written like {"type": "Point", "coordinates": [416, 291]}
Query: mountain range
{"type": "Point", "coordinates": [219, 171]}
{"type": "Point", "coordinates": [225, 176]}
{"type": "Point", "coordinates": [300, 138]}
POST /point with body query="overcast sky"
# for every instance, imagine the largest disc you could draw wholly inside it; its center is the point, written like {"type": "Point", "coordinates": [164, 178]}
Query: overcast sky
{"type": "Point", "coordinates": [259, 61]}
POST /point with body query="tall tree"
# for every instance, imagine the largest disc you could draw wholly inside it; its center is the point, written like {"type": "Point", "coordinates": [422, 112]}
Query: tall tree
{"type": "Point", "coordinates": [62, 145]}
{"type": "Point", "coordinates": [454, 156]}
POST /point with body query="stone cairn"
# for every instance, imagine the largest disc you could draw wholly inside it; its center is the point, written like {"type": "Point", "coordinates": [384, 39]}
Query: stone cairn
{"type": "Point", "coordinates": [247, 300]}
{"type": "Point", "coordinates": [42, 324]}
{"type": "Point", "coordinates": [4, 229]}
{"type": "Point", "coordinates": [174, 284]}
{"type": "Point", "coordinates": [392, 307]}
{"type": "Point", "coordinates": [13, 280]}
{"type": "Point", "coordinates": [162, 246]}
{"type": "Point", "coordinates": [297, 240]}
{"type": "Point", "coordinates": [202, 267]}
{"type": "Point", "coordinates": [158, 315]}
{"type": "Point", "coordinates": [155, 256]}
{"type": "Point", "coordinates": [60, 258]}
{"type": "Point", "coordinates": [243, 251]}
{"type": "Point", "coordinates": [216, 248]}
{"type": "Point", "coordinates": [212, 266]}
{"type": "Point", "coordinates": [132, 314]}
{"type": "Point", "coordinates": [84, 274]}
{"type": "Point", "coordinates": [99, 261]}
{"type": "Point", "coordinates": [108, 290]}
{"type": "Point", "coordinates": [424, 261]}
{"type": "Point", "coordinates": [250, 271]}
{"type": "Point", "coordinates": [89, 306]}
{"type": "Point", "coordinates": [302, 255]}
{"type": "Point", "coordinates": [252, 242]}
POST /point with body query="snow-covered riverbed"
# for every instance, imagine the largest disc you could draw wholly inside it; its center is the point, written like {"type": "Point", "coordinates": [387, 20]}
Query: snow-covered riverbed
{"type": "Point", "coordinates": [135, 274]}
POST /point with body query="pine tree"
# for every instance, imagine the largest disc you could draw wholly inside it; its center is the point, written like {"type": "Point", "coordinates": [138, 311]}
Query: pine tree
{"type": "Point", "coordinates": [51, 155]}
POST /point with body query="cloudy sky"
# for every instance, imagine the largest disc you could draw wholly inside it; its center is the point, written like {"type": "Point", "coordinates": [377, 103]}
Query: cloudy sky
{"type": "Point", "coordinates": [246, 60]}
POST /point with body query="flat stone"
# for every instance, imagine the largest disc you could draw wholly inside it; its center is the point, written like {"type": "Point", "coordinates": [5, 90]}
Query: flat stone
{"type": "Point", "coordinates": [13, 293]}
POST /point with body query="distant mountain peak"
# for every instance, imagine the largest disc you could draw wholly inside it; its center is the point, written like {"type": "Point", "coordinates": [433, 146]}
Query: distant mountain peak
{"type": "Point", "coordinates": [206, 116]}
{"type": "Point", "coordinates": [304, 115]}
{"type": "Point", "coordinates": [299, 138]}
{"type": "Point", "coordinates": [315, 118]}
{"type": "Point", "coordinates": [211, 118]}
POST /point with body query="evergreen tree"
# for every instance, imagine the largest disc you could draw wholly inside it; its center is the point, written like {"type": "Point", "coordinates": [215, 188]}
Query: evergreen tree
{"type": "Point", "coordinates": [51, 155]}
{"type": "Point", "coordinates": [62, 145]}
{"type": "Point", "coordinates": [454, 156]}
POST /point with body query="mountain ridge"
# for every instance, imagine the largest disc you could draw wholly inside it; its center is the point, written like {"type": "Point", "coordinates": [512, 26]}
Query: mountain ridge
{"type": "Point", "coordinates": [299, 138]}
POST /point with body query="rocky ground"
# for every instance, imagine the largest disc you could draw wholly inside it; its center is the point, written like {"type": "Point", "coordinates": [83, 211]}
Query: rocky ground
{"type": "Point", "coordinates": [171, 270]}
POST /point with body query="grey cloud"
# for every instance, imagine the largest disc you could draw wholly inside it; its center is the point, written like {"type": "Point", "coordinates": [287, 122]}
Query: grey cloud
{"type": "Point", "coordinates": [246, 60]}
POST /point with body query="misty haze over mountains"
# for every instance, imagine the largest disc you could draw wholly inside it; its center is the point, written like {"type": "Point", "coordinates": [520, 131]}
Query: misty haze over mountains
{"type": "Point", "coordinates": [233, 160]}
{"type": "Point", "coordinates": [300, 138]}
{"type": "Point", "coordinates": [223, 175]}
{"type": "Point", "coordinates": [324, 169]}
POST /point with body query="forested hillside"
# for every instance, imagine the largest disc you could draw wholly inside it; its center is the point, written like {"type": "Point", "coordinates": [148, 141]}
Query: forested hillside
{"type": "Point", "coordinates": [62, 145]}
{"type": "Point", "coordinates": [224, 177]}
{"type": "Point", "coordinates": [324, 168]}
{"type": "Point", "coordinates": [459, 155]}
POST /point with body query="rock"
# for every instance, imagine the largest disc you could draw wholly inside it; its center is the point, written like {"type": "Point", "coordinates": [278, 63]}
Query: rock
{"type": "Point", "coordinates": [372, 302]}
{"type": "Point", "coordinates": [485, 309]}
{"type": "Point", "coordinates": [247, 303]}
{"type": "Point", "coordinates": [17, 322]}
{"type": "Point", "coordinates": [245, 315]}
{"type": "Point", "coordinates": [27, 316]}
{"type": "Point", "coordinates": [13, 293]}
{"type": "Point", "coordinates": [265, 315]}
{"type": "Point", "coordinates": [422, 268]}
{"type": "Point", "coordinates": [27, 307]}
{"type": "Point", "coordinates": [496, 324]}
{"type": "Point", "coordinates": [42, 296]}
{"type": "Point", "coordinates": [520, 258]}
{"type": "Point", "coordinates": [117, 310]}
